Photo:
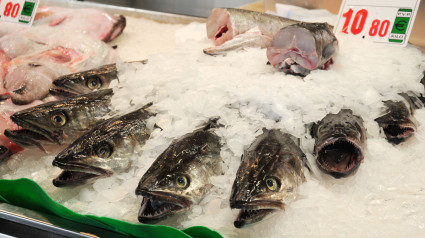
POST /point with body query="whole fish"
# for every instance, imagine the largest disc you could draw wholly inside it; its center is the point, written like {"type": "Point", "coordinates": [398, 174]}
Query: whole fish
{"type": "Point", "coordinates": [180, 176]}
{"type": "Point", "coordinates": [104, 150]}
{"type": "Point", "coordinates": [94, 22]}
{"type": "Point", "coordinates": [398, 122]}
{"type": "Point", "coordinates": [268, 177]}
{"type": "Point", "coordinates": [340, 139]}
{"type": "Point", "coordinates": [86, 81]}
{"type": "Point", "coordinates": [300, 48]}
{"type": "Point", "coordinates": [238, 28]}
{"type": "Point", "coordinates": [103, 26]}
{"type": "Point", "coordinates": [59, 122]}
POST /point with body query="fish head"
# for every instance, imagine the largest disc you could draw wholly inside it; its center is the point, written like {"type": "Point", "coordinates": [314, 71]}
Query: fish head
{"type": "Point", "coordinates": [266, 179]}
{"type": "Point", "coordinates": [102, 151]}
{"type": "Point", "coordinates": [60, 121]}
{"type": "Point", "coordinates": [397, 123]}
{"type": "Point", "coordinates": [339, 143]}
{"type": "Point", "coordinates": [179, 177]}
{"type": "Point", "coordinates": [27, 82]}
{"type": "Point", "coordinates": [84, 82]}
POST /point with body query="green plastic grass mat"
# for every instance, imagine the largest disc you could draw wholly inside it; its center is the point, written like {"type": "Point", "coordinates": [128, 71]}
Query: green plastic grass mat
{"type": "Point", "coordinates": [28, 194]}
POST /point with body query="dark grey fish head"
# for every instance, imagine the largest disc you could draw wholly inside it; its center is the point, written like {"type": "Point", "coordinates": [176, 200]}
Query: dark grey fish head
{"type": "Point", "coordinates": [60, 121]}
{"type": "Point", "coordinates": [269, 174]}
{"type": "Point", "coordinates": [84, 82]}
{"type": "Point", "coordinates": [180, 176]}
{"type": "Point", "coordinates": [340, 139]}
{"type": "Point", "coordinates": [104, 150]}
{"type": "Point", "coordinates": [398, 122]}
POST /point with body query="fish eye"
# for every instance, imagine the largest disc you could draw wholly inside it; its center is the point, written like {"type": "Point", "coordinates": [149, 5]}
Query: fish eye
{"type": "Point", "coordinates": [59, 119]}
{"type": "Point", "coordinates": [94, 83]}
{"type": "Point", "coordinates": [103, 150]}
{"type": "Point", "coordinates": [272, 184]}
{"type": "Point", "coordinates": [182, 181]}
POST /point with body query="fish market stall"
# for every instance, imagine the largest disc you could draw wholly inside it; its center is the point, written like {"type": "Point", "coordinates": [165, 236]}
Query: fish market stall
{"type": "Point", "coordinates": [190, 137]}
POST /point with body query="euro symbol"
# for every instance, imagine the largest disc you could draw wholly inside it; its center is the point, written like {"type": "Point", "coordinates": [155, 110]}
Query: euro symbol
{"type": "Point", "coordinates": [27, 9]}
{"type": "Point", "coordinates": [400, 26]}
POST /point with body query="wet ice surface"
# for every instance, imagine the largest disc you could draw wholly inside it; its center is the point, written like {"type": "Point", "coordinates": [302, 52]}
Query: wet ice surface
{"type": "Point", "coordinates": [385, 198]}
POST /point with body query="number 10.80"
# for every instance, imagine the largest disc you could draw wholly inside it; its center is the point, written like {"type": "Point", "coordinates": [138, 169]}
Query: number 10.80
{"type": "Point", "coordinates": [377, 27]}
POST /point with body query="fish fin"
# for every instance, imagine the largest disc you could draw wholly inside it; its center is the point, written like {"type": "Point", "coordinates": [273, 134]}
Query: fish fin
{"type": "Point", "coordinates": [212, 123]}
{"type": "Point", "coordinates": [4, 153]}
{"type": "Point", "coordinates": [313, 128]}
{"type": "Point", "coordinates": [307, 164]}
{"type": "Point", "coordinates": [147, 106]}
{"type": "Point", "coordinates": [413, 100]}
{"type": "Point", "coordinates": [156, 126]}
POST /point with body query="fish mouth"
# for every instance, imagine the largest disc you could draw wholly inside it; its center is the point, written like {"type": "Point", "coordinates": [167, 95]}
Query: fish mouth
{"type": "Point", "coordinates": [253, 212]}
{"type": "Point", "coordinates": [157, 205]}
{"type": "Point", "coordinates": [27, 138]}
{"type": "Point", "coordinates": [4, 153]}
{"type": "Point", "coordinates": [77, 174]}
{"type": "Point", "coordinates": [339, 156]}
{"type": "Point", "coordinates": [64, 92]}
{"type": "Point", "coordinates": [32, 133]}
{"type": "Point", "coordinates": [397, 133]}
{"type": "Point", "coordinates": [117, 29]}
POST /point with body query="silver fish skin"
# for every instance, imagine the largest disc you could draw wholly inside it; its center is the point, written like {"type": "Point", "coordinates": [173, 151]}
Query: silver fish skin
{"type": "Point", "coordinates": [85, 81]}
{"type": "Point", "coordinates": [225, 24]}
{"type": "Point", "coordinates": [180, 176]}
{"type": "Point", "coordinates": [104, 150]}
{"type": "Point", "coordinates": [302, 47]}
{"type": "Point", "coordinates": [339, 143]}
{"type": "Point", "coordinates": [398, 123]}
{"type": "Point", "coordinates": [271, 170]}
{"type": "Point", "coordinates": [60, 122]}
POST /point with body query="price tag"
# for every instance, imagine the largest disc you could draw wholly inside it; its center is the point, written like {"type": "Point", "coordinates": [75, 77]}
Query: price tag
{"type": "Point", "coordinates": [381, 21]}
{"type": "Point", "coordinates": [18, 11]}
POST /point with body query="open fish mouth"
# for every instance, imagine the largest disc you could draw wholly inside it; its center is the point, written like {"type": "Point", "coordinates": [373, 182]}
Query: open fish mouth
{"type": "Point", "coordinates": [32, 133]}
{"type": "Point", "coordinates": [27, 138]}
{"type": "Point", "coordinates": [157, 206]}
{"type": "Point", "coordinates": [339, 156]}
{"type": "Point", "coordinates": [397, 133]}
{"type": "Point", "coordinates": [252, 212]}
{"type": "Point", "coordinates": [77, 174]}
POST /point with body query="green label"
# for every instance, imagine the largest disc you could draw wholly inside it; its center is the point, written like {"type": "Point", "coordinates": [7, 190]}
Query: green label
{"type": "Point", "coordinates": [27, 9]}
{"type": "Point", "coordinates": [400, 25]}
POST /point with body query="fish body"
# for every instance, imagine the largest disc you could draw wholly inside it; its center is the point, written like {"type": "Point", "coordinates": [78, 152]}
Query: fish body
{"type": "Point", "coordinates": [398, 122]}
{"type": "Point", "coordinates": [59, 122]}
{"type": "Point", "coordinates": [227, 25]}
{"type": "Point", "coordinates": [302, 47]}
{"type": "Point", "coordinates": [104, 150]}
{"type": "Point", "coordinates": [94, 22]}
{"type": "Point", "coordinates": [180, 176]}
{"type": "Point", "coordinates": [271, 170]}
{"type": "Point", "coordinates": [339, 142]}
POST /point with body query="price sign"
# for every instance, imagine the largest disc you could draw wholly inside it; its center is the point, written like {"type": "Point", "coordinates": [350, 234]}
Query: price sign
{"type": "Point", "coordinates": [382, 21]}
{"type": "Point", "coordinates": [18, 11]}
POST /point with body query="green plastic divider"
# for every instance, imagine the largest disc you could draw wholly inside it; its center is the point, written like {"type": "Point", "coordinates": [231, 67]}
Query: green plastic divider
{"type": "Point", "coordinates": [28, 194]}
